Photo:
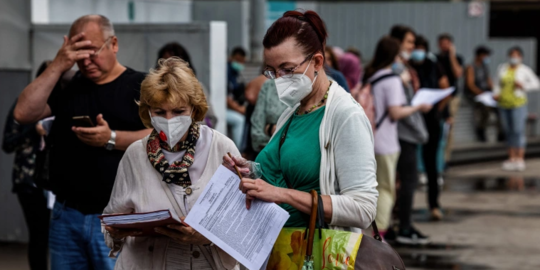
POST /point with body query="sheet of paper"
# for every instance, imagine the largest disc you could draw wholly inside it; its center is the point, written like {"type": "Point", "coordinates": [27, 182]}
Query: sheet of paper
{"type": "Point", "coordinates": [51, 199]}
{"type": "Point", "coordinates": [486, 98]}
{"type": "Point", "coordinates": [220, 215]}
{"type": "Point", "coordinates": [430, 96]}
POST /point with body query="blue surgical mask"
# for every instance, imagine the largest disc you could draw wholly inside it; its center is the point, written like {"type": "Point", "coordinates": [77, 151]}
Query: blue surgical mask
{"type": "Point", "coordinates": [486, 60]}
{"type": "Point", "coordinates": [418, 55]}
{"type": "Point", "coordinates": [398, 68]}
{"type": "Point", "coordinates": [237, 66]}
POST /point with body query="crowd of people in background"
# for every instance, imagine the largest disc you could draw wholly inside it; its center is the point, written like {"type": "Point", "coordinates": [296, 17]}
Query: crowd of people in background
{"type": "Point", "coordinates": [82, 162]}
{"type": "Point", "coordinates": [403, 153]}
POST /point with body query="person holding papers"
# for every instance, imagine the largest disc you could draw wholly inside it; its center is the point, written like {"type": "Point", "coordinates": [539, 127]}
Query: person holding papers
{"type": "Point", "coordinates": [431, 75]}
{"type": "Point", "coordinates": [478, 82]}
{"type": "Point", "coordinates": [513, 80]}
{"type": "Point", "coordinates": [323, 140]}
{"type": "Point", "coordinates": [168, 170]}
{"type": "Point", "coordinates": [389, 97]}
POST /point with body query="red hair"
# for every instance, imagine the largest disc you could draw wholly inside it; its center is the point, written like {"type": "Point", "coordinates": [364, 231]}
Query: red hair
{"type": "Point", "coordinates": [307, 28]}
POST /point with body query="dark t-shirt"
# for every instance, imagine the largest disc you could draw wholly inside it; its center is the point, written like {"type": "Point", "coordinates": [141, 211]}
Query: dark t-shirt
{"type": "Point", "coordinates": [481, 79]}
{"type": "Point", "coordinates": [235, 85]}
{"type": "Point", "coordinates": [81, 174]}
{"type": "Point", "coordinates": [429, 73]}
{"type": "Point", "coordinates": [444, 60]}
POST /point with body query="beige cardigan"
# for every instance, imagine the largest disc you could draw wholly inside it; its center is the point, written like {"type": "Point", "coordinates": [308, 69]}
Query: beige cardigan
{"type": "Point", "coordinates": [138, 188]}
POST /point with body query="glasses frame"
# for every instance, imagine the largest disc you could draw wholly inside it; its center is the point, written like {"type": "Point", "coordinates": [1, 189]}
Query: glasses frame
{"type": "Point", "coordinates": [270, 74]}
{"type": "Point", "coordinates": [94, 55]}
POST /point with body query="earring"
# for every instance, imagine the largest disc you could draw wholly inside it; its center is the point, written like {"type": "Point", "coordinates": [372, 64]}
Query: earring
{"type": "Point", "coordinates": [316, 73]}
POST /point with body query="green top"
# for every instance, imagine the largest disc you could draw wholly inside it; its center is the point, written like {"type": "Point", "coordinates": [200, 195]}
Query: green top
{"type": "Point", "coordinates": [299, 161]}
{"type": "Point", "coordinates": [507, 98]}
{"type": "Point", "coordinates": [267, 111]}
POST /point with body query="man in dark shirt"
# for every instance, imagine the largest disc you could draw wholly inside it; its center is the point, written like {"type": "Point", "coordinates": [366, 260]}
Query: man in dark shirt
{"type": "Point", "coordinates": [84, 160]}
{"type": "Point", "coordinates": [478, 81]}
{"type": "Point", "coordinates": [431, 75]}
{"type": "Point", "coordinates": [452, 65]}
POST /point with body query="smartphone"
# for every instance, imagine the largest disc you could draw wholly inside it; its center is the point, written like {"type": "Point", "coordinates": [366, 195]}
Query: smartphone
{"type": "Point", "coordinates": [82, 121]}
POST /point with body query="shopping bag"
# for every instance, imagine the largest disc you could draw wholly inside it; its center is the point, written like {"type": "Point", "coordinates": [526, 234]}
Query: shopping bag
{"type": "Point", "coordinates": [320, 248]}
{"type": "Point", "coordinates": [337, 249]}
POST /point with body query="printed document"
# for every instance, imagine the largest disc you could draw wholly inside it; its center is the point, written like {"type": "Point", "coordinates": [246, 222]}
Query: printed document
{"type": "Point", "coordinates": [486, 98]}
{"type": "Point", "coordinates": [430, 96]}
{"type": "Point", "coordinates": [220, 215]}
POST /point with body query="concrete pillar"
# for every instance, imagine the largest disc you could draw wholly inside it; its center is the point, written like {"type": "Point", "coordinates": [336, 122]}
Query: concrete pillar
{"type": "Point", "coordinates": [258, 29]}
{"type": "Point", "coordinates": [40, 11]}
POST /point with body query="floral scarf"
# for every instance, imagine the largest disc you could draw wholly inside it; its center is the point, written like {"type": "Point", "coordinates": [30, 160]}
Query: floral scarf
{"type": "Point", "coordinates": [176, 173]}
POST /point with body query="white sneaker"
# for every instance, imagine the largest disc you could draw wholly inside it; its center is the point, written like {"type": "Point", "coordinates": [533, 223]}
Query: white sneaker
{"type": "Point", "coordinates": [440, 181]}
{"type": "Point", "coordinates": [519, 166]}
{"type": "Point", "coordinates": [509, 165]}
{"type": "Point", "coordinates": [422, 179]}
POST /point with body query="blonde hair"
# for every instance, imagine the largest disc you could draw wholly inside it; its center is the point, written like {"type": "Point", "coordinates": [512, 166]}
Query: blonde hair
{"type": "Point", "coordinates": [171, 82]}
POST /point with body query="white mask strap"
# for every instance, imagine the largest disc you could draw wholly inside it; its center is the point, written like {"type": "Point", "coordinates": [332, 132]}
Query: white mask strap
{"type": "Point", "coordinates": [307, 66]}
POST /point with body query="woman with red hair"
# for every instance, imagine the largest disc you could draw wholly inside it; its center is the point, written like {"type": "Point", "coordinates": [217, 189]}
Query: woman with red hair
{"type": "Point", "coordinates": [323, 139]}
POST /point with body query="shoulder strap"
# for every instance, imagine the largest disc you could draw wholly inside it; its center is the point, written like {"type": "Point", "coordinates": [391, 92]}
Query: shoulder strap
{"type": "Point", "coordinates": [310, 232]}
{"type": "Point", "coordinates": [381, 120]}
{"type": "Point", "coordinates": [173, 201]}
{"type": "Point", "coordinates": [376, 233]}
{"type": "Point", "coordinates": [379, 123]}
{"type": "Point", "coordinates": [179, 213]}
{"type": "Point", "coordinates": [382, 78]}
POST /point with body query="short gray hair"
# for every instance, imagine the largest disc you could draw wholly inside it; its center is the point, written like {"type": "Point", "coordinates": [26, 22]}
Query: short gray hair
{"type": "Point", "coordinates": [104, 23]}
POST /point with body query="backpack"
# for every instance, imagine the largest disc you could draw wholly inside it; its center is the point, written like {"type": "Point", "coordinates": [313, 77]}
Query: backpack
{"type": "Point", "coordinates": [364, 96]}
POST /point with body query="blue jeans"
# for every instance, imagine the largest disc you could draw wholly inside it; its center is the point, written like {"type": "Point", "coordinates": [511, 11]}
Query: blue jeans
{"type": "Point", "coordinates": [76, 241]}
{"type": "Point", "coordinates": [513, 121]}
{"type": "Point", "coordinates": [236, 121]}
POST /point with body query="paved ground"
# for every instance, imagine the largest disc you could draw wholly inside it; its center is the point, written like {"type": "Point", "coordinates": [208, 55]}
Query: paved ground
{"type": "Point", "coordinates": [492, 220]}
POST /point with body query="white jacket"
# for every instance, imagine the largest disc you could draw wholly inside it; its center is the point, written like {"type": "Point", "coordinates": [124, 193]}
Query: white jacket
{"type": "Point", "coordinates": [524, 76]}
{"type": "Point", "coordinates": [348, 166]}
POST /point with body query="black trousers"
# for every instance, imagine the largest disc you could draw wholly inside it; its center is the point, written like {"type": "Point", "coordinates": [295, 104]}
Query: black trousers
{"type": "Point", "coordinates": [481, 121]}
{"type": "Point", "coordinates": [408, 175]}
{"type": "Point", "coordinates": [37, 216]}
{"type": "Point", "coordinates": [429, 154]}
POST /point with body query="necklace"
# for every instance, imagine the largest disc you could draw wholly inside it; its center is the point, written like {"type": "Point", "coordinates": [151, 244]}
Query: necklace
{"type": "Point", "coordinates": [319, 104]}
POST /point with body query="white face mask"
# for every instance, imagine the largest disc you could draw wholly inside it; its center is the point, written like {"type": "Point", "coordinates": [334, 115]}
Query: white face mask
{"type": "Point", "coordinates": [292, 90]}
{"type": "Point", "coordinates": [515, 61]}
{"type": "Point", "coordinates": [405, 55]}
{"type": "Point", "coordinates": [173, 129]}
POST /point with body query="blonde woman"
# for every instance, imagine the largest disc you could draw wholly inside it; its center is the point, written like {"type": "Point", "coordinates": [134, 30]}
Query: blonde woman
{"type": "Point", "coordinates": [168, 170]}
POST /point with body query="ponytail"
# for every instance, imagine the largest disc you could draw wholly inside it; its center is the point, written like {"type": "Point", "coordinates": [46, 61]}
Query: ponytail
{"type": "Point", "coordinates": [307, 28]}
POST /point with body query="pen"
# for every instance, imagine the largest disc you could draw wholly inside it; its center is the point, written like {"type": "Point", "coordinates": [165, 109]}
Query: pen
{"type": "Point", "coordinates": [236, 168]}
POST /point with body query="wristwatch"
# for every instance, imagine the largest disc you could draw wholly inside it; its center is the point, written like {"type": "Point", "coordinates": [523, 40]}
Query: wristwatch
{"type": "Point", "coordinates": [112, 141]}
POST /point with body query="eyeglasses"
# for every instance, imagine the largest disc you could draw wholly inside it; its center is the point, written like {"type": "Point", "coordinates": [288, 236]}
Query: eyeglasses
{"type": "Point", "coordinates": [283, 72]}
{"type": "Point", "coordinates": [95, 55]}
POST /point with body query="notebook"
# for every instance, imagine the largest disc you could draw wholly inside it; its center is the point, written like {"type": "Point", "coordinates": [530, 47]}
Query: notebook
{"type": "Point", "coordinates": [146, 222]}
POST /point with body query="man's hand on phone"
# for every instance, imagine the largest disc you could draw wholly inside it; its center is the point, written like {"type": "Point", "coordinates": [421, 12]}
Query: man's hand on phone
{"type": "Point", "coordinates": [96, 136]}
